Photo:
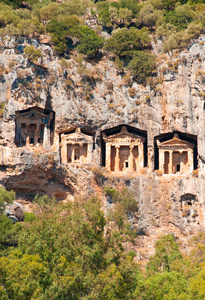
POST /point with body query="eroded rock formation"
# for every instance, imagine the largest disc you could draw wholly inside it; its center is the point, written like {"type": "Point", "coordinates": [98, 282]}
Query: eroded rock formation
{"type": "Point", "coordinates": [97, 102]}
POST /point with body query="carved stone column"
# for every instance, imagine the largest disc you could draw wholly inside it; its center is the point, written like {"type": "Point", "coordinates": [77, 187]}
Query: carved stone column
{"type": "Point", "coordinates": [141, 156]}
{"type": "Point", "coordinates": [36, 134]}
{"type": "Point", "coordinates": [27, 141]}
{"type": "Point", "coordinates": [190, 160]}
{"type": "Point", "coordinates": [89, 153]}
{"type": "Point", "coordinates": [64, 151]}
{"type": "Point", "coordinates": [131, 159]}
{"type": "Point", "coordinates": [46, 137]}
{"type": "Point", "coordinates": [181, 161]}
{"type": "Point", "coordinates": [161, 160]}
{"type": "Point", "coordinates": [108, 156]}
{"type": "Point", "coordinates": [81, 154]}
{"type": "Point", "coordinates": [171, 162]}
{"type": "Point", "coordinates": [73, 153]}
{"type": "Point", "coordinates": [117, 161]}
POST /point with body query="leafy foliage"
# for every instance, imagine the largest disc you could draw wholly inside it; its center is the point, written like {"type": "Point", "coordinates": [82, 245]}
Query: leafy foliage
{"type": "Point", "coordinates": [124, 42]}
{"type": "Point", "coordinates": [9, 232]}
{"type": "Point", "coordinates": [44, 201]}
{"type": "Point", "coordinates": [75, 252]}
{"type": "Point", "coordinates": [130, 23]}
{"type": "Point", "coordinates": [32, 54]}
{"type": "Point", "coordinates": [89, 42]}
{"type": "Point", "coordinates": [142, 65]}
{"type": "Point", "coordinates": [29, 217]}
{"type": "Point", "coordinates": [166, 251]}
{"type": "Point", "coordinates": [123, 197]}
{"type": "Point", "coordinates": [5, 196]}
{"type": "Point", "coordinates": [59, 34]}
{"type": "Point", "coordinates": [68, 255]}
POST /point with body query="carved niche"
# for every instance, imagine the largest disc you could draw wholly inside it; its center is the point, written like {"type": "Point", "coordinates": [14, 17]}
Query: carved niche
{"type": "Point", "coordinates": [76, 147]}
{"type": "Point", "coordinates": [175, 156]}
{"type": "Point", "coordinates": [124, 151]}
{"type": "Point", "coordinates": [35, 126]}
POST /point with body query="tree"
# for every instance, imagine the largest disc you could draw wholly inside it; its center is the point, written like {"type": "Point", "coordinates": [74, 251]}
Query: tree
{"type": "Point", "coordinates": [59, 33]}
{"type": "Point", "coordinates": [21, 276]}
{"type": "Point", "coordinates": [5, 196]}
{"type": "Point", "coordinates": [124, 42]}
{"type": "Point", "coordinates": [89, 43]}
{"type": "Point", "coordinates": [180, 17]}
{"type": "Point", "coordinates": [69, 253]}
{"type": "Point", "coordinates": [124, 197]}
{"type": "Point", "coordinates": [166, 252]}
{"type": "Point", "coordinates": [142, 65]}
{"type": "Point", "coordinates": [162, 286]}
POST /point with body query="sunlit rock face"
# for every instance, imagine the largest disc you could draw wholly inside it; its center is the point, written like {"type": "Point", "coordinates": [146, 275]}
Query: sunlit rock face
{"type": "Point", "coordinates": [162, 155]}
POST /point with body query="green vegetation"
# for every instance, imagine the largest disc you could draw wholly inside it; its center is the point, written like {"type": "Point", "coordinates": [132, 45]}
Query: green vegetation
{"type": "Point", "coordinates": [44, 201]}
{"type": "Point", "coordinates": [5, 197]}
{"type": "Point", "coordinates": [64, 253]}
{"type": "Point", "coordinates": [142, 65]}
{"type": "Point", "coordinates": [132, 26]}
{"type": "Point", "coordinates": [32, 54]}
{"type": "Point", "coordinates": [123, 197]}
{"type": "Point", "coordinates": [73, 251]}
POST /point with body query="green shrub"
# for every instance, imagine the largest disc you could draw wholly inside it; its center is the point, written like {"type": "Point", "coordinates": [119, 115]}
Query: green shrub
{"type": "Point", "coordinates": [123, 197]}
{"type": "Point", "coordinates": [5, 196]}
{"type": "Point", "coordinates": [132, 92]}
{"type": "Point", "coordinates": [124, 42]}
{"type": "Point", "coordinates": [32, 54]}
{"type": "Point", "coordinates": [44, 201]}
{"type": "Point", "coordinates": [89, 42]}
{"type": "Point", "coordinates": [59, 33]}
{"type": "Point", "coordinates": [142, 65]}
{"type": "Point", "coordinates": [180, 17]}
{"type": "Point", "coordinates": [9, 232]}
{"type": "Point", "coordinates": [29, 217]}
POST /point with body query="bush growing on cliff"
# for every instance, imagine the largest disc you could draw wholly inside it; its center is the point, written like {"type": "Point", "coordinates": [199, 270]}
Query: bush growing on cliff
{"type": "Point", "coordinates": [58, 30]}
{"type": "Point", "coordinates": [5, 197]}
{"type": "Point", "coordinates": [124, 198]}
{"type": "Point", "coordinates": [124, 42]}
{"type": "Point", "coordinates": [89, 43]}
{"type": "Point", "coordinates": [142, 65]}
{"type": "Point", "coordinates": [32, 54]}
{"type": "Point", "coordinates": [44, 201]}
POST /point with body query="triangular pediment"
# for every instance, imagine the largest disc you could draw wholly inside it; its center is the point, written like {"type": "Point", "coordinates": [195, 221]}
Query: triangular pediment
{"type": "Point", "coordinates": [176, 142]}
{"type": "Point", "coordinates": [124, 134]}
{"type": "Point", "coordinates": [78, 135]}
{"type": "Point", "coordinates": [32, 112]}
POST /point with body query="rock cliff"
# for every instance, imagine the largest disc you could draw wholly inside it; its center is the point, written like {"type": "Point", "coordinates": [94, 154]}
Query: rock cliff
{"type": "Point", "coordinates": [97, 97]}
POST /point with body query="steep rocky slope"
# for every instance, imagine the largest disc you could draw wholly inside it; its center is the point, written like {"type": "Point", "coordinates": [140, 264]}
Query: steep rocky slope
{"type": "Point", "coordinates": [96, 97]}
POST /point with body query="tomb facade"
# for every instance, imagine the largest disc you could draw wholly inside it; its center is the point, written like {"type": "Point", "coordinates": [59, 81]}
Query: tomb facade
{"type": "Point", "coordinates": [176, 156]}
{"type": "Point", "coordinates": [34, 126]}
{"type": "Point", "coordinates": [190, 208]}
{"type": "Point", "coordinates": [124, 151]}
{"type": "Point", "coordinates": [76, 147]}
{"type": "Point", "coordinates": [188, 199]}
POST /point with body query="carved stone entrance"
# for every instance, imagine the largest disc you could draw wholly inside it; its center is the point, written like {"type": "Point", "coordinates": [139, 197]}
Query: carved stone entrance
{"type": "Point", "coordinates": [124, 151]}
{"type": "Point", "coordinates": [175, 156]}
{"type": "Point", "coordinates": [76, 147]}
{"type": "Point", "coordinates": [34, 126]}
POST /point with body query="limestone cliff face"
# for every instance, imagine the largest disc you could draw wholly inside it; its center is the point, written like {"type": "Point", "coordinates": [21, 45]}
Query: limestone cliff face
{"type": "Point", "coordinates": [95, 97]}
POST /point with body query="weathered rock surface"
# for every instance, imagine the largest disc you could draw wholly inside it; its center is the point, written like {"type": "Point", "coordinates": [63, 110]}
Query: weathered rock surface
{"type": "Point", "coordinates": [96, 98]}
